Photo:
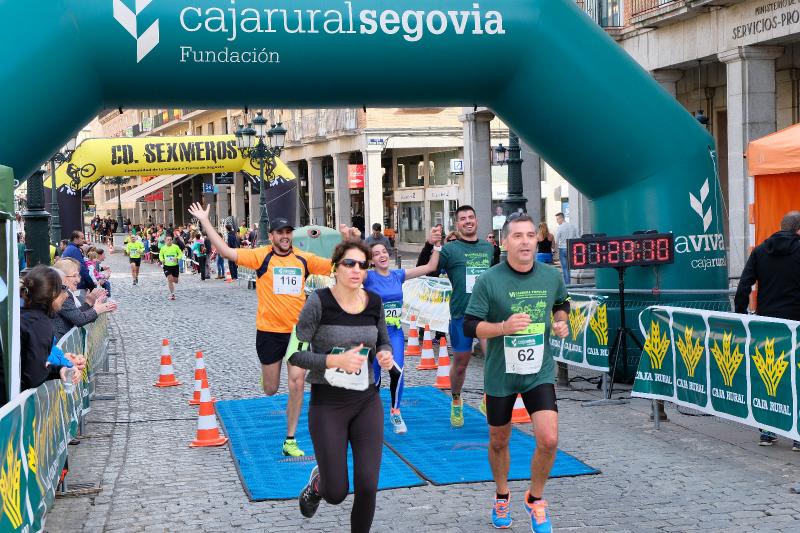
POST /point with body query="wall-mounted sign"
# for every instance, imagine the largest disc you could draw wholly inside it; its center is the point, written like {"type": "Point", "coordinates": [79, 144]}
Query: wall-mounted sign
{"type": "Point", "coordinates": [413, 195]}
{"type": "Point", "coordinates": [456, 166]}
{"type": "Point", "coordinates": [355, 176]}
{"type": "Point", "coordinates": [208, 188]}
{"type": "Point", "coordinates": [443, 193]}
{"type": "Point", "coordinates": [376, 141]}
{"type": "Point", "coordinates": [223, 178]}
{"type": "Point", "coordinates": [154, 197]}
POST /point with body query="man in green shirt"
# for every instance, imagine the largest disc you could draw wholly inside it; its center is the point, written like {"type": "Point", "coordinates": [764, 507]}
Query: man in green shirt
{"type": "Point", "coordinates": [464, 260]}
{"type": "Point", "coordinates": [169, 255]}
{"type": "Point", "coordinates": [135, 249]}
{"type": "Point", "coordinates": [511, 307]}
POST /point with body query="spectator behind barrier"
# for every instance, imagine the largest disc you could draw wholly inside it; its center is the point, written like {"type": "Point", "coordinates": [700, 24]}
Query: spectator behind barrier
{"type": "Point", "coordinates": [43, 293]}
{"type": "Point", "coordinates": [74, 312]}
{"type": "Point", "coordinates": [73, 250]}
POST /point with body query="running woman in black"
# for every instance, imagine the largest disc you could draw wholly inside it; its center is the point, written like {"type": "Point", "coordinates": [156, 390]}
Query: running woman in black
{"type": "Point", "coordinates": [346, 329]}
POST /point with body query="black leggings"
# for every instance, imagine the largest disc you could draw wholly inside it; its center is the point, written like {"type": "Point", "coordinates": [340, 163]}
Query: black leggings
{"type": "Point", "coordinates": [336, 417]}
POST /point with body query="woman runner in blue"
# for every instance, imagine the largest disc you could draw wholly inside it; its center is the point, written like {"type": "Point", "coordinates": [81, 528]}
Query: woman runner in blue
{"type": "Point", "coordinates": [388, 284]}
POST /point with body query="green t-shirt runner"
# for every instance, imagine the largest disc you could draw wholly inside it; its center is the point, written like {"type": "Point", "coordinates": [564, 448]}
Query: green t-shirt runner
{"type": "Point", "coordinates": [134, 249]}
{"type": "Point", "coordinates": [169, 255]}
{"type": "Point", "coordinates": [517, 363]}
{"type": "Point", "coordinates": [464, 261]}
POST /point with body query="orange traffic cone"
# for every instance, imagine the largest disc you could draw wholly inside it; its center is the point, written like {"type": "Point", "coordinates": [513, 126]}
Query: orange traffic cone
{"type": "Point", "coordinates": [413, 339]}
{"type": "Point", "coordinates": [443, 372]}
{"type": "Point", "coordinates": [207, 431]}
{"type": "Point", "coordinates": [428, 361]}
{"type": "Point", "coordinates": [167, 376]}
{"type": "Point", "coordinates": [199, 375]}
{"type": "Point", "coordinates": [520, 414]}
{"type": "Point", "coordinates": [228, 278]}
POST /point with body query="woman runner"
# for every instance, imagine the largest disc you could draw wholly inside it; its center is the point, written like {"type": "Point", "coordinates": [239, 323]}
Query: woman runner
{"type": "Point", "coordinates": [346, 330]}
{"type": "Point", "coordinates": [388, 284]}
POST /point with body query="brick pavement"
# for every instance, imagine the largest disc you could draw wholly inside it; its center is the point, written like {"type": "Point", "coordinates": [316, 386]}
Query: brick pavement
{"type": "Point", "coordinates": [695, 474]}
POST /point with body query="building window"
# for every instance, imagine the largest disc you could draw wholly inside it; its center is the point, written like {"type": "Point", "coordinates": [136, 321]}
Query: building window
{"type": "Point", "coordinates": [411, 222]}
{"type": "Point", "coordinates": [198, 130]}
{"type": "Point", "coordinates": [440, 167]}
{"type": "Point", "coordinates": [224, 125]}
{"type": "Point", "coordinates": [210, 129]}
{"type": "Point", "coordinates": [410, 171]}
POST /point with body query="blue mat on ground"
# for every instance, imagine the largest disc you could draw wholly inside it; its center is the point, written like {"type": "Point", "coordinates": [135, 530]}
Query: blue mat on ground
{"type": "Point", "coordinates": [256, 428]}
{"type": "Point", "coordinates": [443, 455]}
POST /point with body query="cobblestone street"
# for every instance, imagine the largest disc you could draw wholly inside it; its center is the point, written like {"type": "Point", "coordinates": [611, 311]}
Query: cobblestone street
{"type": "Point", "coordinates": [695, 473]}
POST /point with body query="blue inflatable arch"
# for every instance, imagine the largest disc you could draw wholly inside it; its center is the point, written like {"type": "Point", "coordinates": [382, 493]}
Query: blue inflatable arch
{"type": "Point", "coordinates": [545, 68]}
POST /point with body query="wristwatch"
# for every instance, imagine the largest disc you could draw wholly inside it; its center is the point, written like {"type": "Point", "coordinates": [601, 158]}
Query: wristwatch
{"type": "Point", "coordinates": [437, 248]}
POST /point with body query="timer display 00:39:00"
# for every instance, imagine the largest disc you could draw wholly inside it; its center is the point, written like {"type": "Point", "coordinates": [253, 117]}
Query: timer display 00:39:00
{"type": "Point", "coordinates": [630, 250]}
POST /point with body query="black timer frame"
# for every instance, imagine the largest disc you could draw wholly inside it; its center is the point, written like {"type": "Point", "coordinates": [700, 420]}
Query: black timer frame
{"type": "Point", "coordinates": [623, 331]}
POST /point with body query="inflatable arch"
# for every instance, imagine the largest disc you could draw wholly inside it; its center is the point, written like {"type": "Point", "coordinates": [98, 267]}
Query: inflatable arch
{"type": "Point", "coordinates": [545, 68]}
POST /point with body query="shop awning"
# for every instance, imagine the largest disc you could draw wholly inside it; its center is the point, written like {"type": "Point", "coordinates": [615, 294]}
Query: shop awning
{"type": "Point", "coordinates": [777, 153]}
{"type": "Point", "coordinates": [151, 186]}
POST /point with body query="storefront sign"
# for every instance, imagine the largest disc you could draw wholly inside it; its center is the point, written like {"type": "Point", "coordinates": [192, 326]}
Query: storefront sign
{"type": "Point", "coordinates": [154, 197]}
{"type": "Point", "coordinates": [443, 193]}
{"type": "Point", "coordinates": [208, 188]}
{"type": "Point", "coordinates": [733, 366]}
{"type": "Point", "coordinates": [413, 195]}
{"type": "Point", "coordinates": [355, 176]}
{"type": "Point", "coordinates": [456, 166]}
{"type": "Point", "coordinates": [224, 178]}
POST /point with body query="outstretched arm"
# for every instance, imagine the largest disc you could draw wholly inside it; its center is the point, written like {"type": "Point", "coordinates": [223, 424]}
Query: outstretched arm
{"type": "Point", "coordinates": [435, 239]}
{"type": "Point", "coordinates": [197, 211]}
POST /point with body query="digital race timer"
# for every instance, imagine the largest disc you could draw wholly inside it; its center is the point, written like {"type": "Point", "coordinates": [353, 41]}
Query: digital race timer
{"type": "Point", "coordinates": [645, 249]}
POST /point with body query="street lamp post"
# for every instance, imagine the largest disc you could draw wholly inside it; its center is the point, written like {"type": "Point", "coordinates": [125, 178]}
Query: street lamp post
{"type": "Point", "coordinates": [58, 158]}
{"type": "Point", "coordinates": [264, 154]}
{"type": "Point", "coordinates": [515, 201]}
{"type": "Point", "coordinates": [119, 181]}
{"type": "Point", "coordinates": [37, 248]}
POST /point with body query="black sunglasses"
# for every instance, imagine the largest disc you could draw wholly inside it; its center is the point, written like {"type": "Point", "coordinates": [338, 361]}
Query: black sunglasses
{"type": "Point", "coordinates": [351, 263]}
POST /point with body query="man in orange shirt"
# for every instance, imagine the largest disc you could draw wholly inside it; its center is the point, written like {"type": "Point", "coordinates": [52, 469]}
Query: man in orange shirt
{"type": "Point", "coordinates": [281, 277]}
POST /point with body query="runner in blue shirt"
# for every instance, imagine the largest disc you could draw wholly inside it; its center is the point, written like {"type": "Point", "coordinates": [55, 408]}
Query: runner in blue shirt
{"type": "Point", "coordinates": [388, 284]}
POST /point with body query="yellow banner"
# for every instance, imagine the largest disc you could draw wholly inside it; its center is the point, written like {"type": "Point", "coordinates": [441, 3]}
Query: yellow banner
{"type": "Point", "coordinates": [150, 156]}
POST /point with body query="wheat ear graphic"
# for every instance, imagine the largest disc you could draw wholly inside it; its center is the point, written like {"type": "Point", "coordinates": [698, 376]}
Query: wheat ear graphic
{"type": "Point", "coordinates": [727, 361]}
{"type": "Point", "coordinates": [769, 367]}
{"type": "Point", "coordinates": [656, 346]}
{"type": "Point", "coordinates": [690, 352]}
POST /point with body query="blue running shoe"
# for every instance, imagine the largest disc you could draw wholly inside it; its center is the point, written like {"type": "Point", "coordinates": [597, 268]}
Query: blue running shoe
{"type": "Point", "coordinates": [540, 516]}
{"type": "Point", "coordinates": [501, 518]}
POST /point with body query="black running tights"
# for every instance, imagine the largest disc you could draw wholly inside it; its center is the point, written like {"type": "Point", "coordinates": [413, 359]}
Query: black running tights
{"type": "Point", "coordinates": [332, 425]}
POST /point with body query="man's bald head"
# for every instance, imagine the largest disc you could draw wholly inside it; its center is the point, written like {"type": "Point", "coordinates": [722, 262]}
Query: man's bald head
{"type": "Point", "coordinates": [791, 222]}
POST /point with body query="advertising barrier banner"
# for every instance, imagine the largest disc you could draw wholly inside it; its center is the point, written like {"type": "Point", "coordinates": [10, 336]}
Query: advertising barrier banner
{"type": "Point", "coordinates": [428, 299]}
{"type": "Point", "coordinates": [586, 346]}
{"type": "Point", "coordinates": [35, 428]}
{"type": "Point", "coordinates": [739, 367]}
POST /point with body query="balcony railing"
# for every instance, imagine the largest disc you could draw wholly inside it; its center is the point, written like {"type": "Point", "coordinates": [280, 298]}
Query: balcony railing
{"type": "Point", "coordinates": [647, 7]}
{"type": "Point", "coordinates": [606, 13]}
{"type": "Point", "coordinates": [321, 123]}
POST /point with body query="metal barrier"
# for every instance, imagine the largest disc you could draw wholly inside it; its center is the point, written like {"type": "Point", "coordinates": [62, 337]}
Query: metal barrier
{"type": "Point", "coordinates": [36, 428]}
{"type": "Point", "coordinates": [637, 300]}
{"type": "Point", "coordinates": [733, 366]}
